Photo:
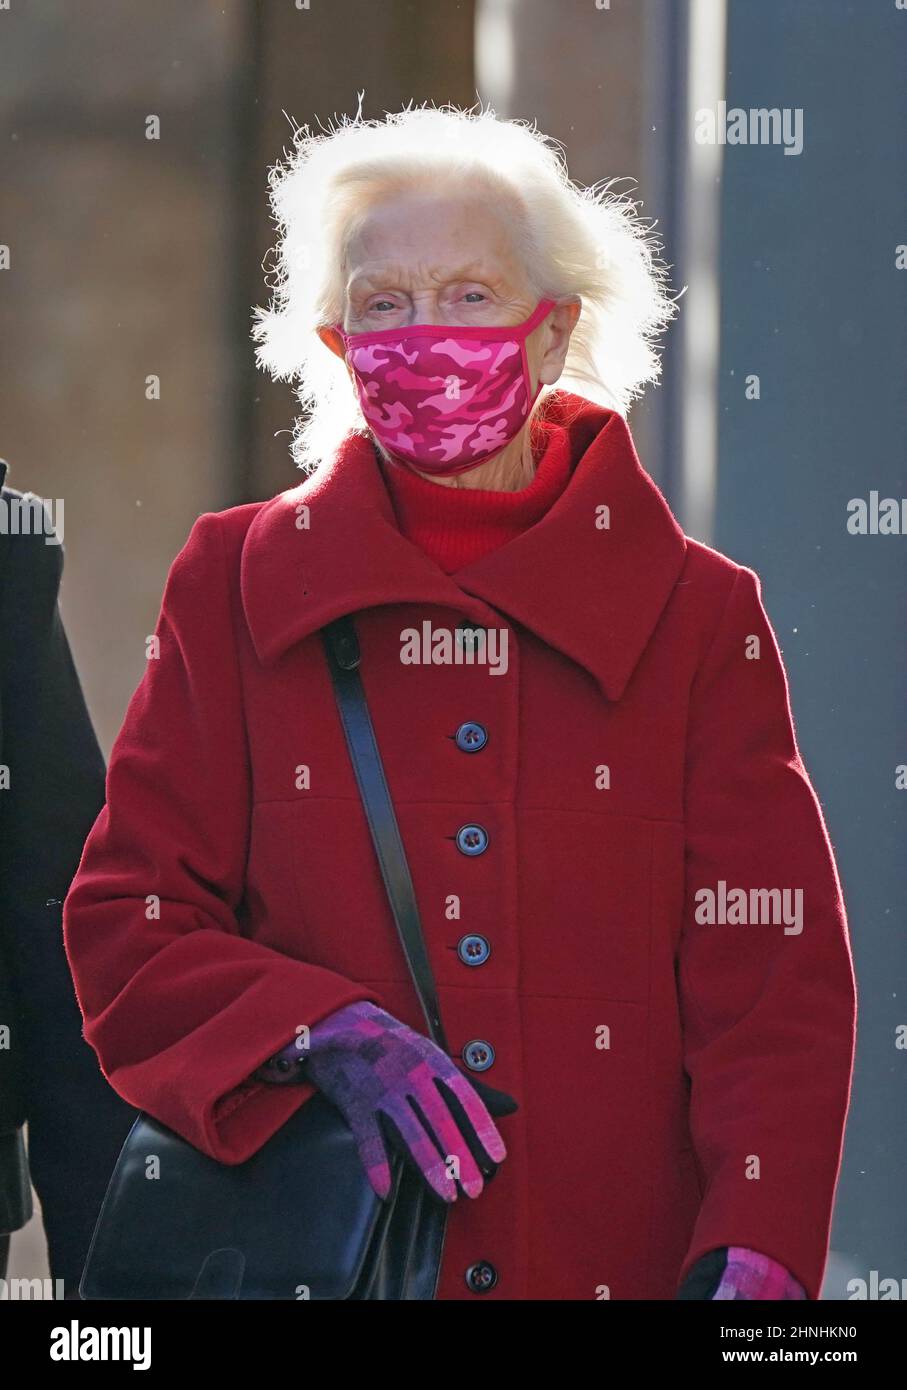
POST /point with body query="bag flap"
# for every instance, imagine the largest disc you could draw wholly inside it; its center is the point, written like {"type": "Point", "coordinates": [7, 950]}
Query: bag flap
{"type": "Point", "coordinates": [297, 1220]}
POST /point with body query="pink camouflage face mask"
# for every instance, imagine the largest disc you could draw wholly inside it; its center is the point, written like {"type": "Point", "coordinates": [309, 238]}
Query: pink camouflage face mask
{"type": "Point", "coordinates": [444, 398]}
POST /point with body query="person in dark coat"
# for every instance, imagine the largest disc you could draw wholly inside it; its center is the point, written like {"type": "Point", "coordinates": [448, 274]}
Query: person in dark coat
{"type": "Point", "coordinates": [53, 787]}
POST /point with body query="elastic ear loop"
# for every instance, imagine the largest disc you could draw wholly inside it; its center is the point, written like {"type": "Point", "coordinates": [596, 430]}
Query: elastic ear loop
{"type": "Point", "coordinates": [530, 327]}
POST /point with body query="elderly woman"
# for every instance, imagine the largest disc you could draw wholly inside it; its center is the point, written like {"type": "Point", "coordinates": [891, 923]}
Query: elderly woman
{"type": "Point", "coordinates": [626, 887]}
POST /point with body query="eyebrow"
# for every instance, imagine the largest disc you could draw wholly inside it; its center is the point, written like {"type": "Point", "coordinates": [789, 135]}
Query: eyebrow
{"type": "Point", "coordinates": [472, 271]}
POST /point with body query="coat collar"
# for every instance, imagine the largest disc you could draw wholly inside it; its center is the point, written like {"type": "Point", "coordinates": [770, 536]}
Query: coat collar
{"type": "Point", "coordinates": [594, 594]}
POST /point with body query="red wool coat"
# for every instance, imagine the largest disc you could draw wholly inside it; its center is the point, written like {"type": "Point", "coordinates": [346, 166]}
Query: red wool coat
{"type": "Point", "coordinates": [682, 1085]}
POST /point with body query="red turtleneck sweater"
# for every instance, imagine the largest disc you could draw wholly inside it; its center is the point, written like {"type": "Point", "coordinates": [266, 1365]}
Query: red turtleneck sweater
{"type": "Point", "coordinates": [455, 526]}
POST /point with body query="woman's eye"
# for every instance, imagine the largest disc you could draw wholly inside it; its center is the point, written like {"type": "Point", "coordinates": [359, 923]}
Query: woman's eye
{"type": "Point", "coordinates": [383, 304]}
{"type": "Point", "coordinates": [474, 296]}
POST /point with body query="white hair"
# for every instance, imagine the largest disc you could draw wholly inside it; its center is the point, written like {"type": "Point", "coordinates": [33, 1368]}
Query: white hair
{"type": "Point", "coordinates": [574, 240]}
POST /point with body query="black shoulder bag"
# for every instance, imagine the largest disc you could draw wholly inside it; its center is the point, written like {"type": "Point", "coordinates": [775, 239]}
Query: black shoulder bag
{"type": "Point", "coordinates": [298, 1219]}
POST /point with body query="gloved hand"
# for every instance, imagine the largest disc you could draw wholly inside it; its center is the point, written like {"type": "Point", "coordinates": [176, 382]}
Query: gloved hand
{"type": "Point", "coordinates": [733, 1272]}
{"type": "Point", "coordinates": [398, 1090]}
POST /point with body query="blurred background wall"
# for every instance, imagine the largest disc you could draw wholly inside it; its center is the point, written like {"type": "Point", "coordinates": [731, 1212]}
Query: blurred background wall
{"type": "Point", "coordinates": [135, 260]}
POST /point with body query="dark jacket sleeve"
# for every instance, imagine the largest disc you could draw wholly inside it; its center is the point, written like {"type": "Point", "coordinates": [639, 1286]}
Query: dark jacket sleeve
{"type": "Point", "coordinates": [76, 1122]}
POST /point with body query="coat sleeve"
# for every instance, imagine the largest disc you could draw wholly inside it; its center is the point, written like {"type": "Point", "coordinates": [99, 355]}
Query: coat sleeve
{"type": "Point", "coordinates": [178, 1004]}
{"type": "Point", "coordinates": [768, 1011]}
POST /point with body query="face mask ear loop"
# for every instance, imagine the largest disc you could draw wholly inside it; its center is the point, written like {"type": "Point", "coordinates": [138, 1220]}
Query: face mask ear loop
{"type": "Point", "coordinates": [539, 314]}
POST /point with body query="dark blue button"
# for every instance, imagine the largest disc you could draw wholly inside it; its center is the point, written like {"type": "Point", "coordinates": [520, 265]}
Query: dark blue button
{"type": "Point", "coordinates": [472, 839]}
{"type": "Point", "coordinates": [471, 737]}
{"type": "Point", "coordinates": [481, 1276]}
{"type": "Point", "coordinates": [473, 950]}
{"type": "Point", "coordinates": [478, 1055]}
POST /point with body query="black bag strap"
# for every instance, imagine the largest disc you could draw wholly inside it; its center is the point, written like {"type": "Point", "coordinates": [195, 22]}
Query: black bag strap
{"type": "Point", "coordinates": [342, 647]}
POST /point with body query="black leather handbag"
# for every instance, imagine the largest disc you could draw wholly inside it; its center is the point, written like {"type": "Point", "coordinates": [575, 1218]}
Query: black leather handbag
{"type": "Point", "coordinates": [298, 1219]}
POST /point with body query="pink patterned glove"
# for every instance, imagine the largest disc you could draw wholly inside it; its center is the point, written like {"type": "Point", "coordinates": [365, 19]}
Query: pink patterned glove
{"type": "Point", "coordinates": [734, 1272]}
{"type": "Point", "coordinates": [398, 1090]}
{"type": "Point", "coordinates": [748, 1274]}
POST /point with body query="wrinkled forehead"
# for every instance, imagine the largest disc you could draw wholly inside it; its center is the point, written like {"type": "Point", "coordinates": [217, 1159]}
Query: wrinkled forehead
{"type": "Point", "coordinates": [451, 234]}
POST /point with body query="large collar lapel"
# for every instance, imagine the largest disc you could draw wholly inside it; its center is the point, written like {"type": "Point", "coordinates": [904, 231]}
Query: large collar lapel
{"type": "Point", "coordinates": [593, 593]}
{"type": "Point", "coordinates": [332, 546]}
